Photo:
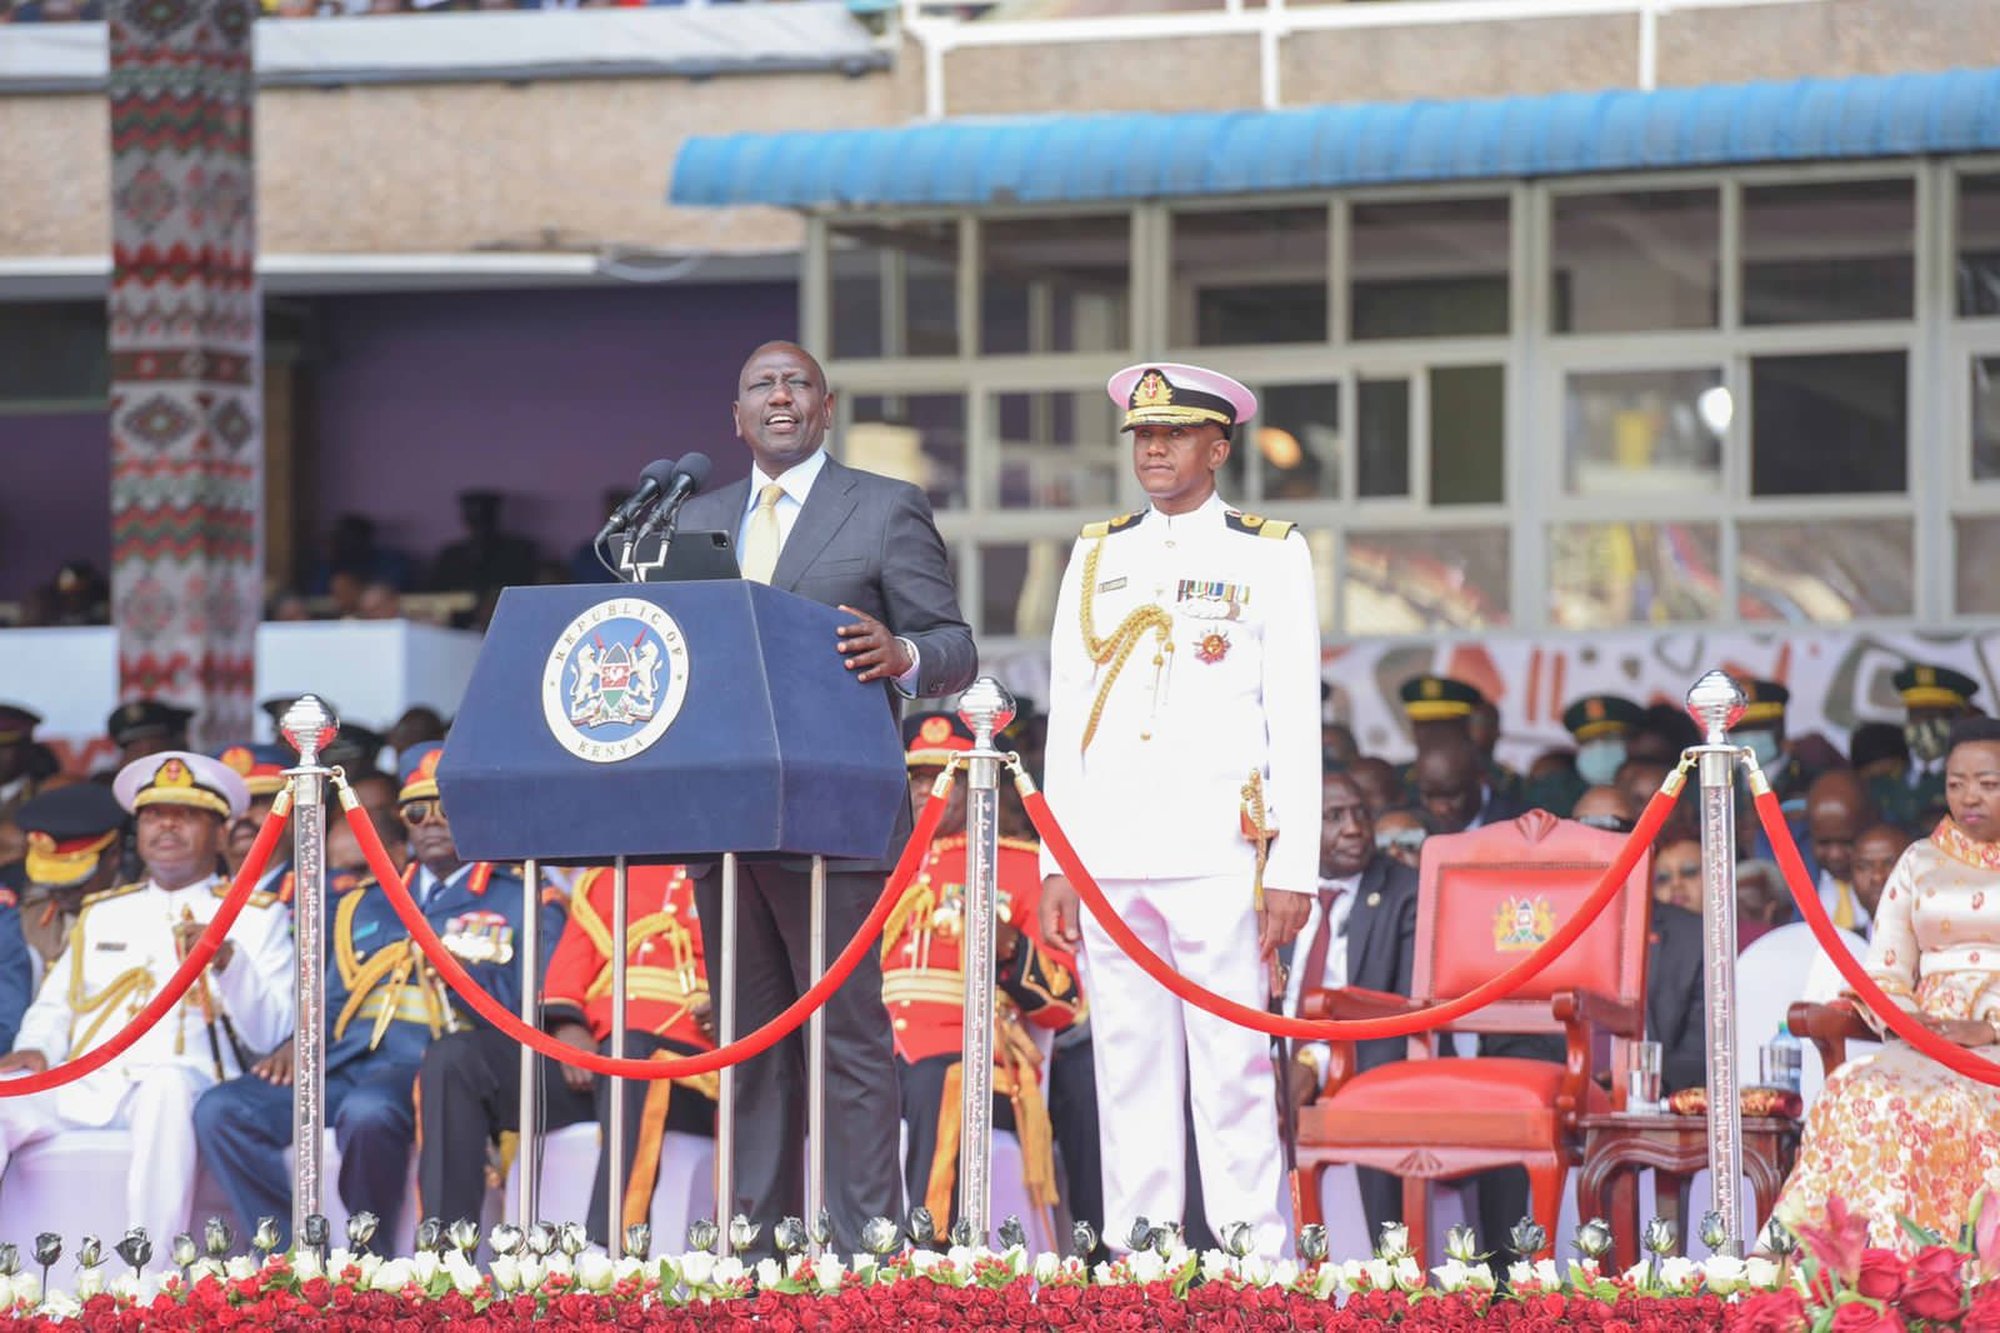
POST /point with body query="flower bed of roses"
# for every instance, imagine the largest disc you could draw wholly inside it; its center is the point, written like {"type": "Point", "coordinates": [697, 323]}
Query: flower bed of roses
{"type": "Point", "coordinates": [1835, 1282]}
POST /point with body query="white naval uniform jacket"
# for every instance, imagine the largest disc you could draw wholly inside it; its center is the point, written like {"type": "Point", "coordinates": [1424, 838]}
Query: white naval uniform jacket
{"type": "Point", "coordinates": [1158, 793]}
{"type": "Point", "coordinates": [124, 939]}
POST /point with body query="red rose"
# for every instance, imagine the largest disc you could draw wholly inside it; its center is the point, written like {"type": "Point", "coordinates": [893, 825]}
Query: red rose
{"type": "Point", "coordinates": [1881, 1276]}
{"type": "Point", "coordinates": [1984, 1316]}
{"type": "Point", "coordinates": [1934, 1286]}
{"type": "Point", "coordinates": [1860, 1317]}
{"type": "Point", "coordinates": [1771, 1312]}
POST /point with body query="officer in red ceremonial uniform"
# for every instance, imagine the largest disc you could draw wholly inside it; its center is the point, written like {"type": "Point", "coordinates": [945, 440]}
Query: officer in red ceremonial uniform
{"type": "Point", "coordinates": [667, 1014]}
{"type": "Point", "coordinates": [923, 986]}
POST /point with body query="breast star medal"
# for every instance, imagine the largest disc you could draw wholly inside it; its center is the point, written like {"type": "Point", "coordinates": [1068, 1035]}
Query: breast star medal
{"type": "Point", "coordinates": [1212, 647]}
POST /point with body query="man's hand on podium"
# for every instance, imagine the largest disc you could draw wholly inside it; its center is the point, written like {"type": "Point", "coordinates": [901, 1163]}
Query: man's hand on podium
{"type": "Point", "coordinates": [871, 649]}
{"type": "Point", "coordinates": [577, 1035]}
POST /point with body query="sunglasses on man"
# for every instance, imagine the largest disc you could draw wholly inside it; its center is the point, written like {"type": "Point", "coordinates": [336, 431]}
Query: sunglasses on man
{"type": "Point", "coordinates": [1408, 840]}
{"type": "Point", "coordinates": [419, 813]}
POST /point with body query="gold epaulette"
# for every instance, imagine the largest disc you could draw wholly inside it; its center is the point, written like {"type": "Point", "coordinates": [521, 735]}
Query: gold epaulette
{"type": "Point", "coordinates": [1111, 525]}
{"type": "Point", "coordinates": [106, 895]}
{"type": "Point", "coordinates": [1259, 526]}
{"type": "Point", "coordinates": [1022, 845]}
{"type": "Point", "coordinates": [262, 899]}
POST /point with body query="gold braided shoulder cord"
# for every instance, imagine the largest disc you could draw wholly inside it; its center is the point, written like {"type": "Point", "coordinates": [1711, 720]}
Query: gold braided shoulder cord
{"type": "Point", "coordinates": [1112, 652]}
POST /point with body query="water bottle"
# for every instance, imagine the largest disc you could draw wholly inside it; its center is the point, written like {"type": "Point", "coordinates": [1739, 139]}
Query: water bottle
{"type": "Point", "coordinates": [1782, 1060]}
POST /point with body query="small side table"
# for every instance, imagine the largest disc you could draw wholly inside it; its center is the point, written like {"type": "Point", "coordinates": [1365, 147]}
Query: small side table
{"type": "Point", "coordinates": [1617, 1147]}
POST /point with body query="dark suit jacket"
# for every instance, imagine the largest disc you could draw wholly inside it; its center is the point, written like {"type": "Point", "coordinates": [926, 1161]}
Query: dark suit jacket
{"type": "Point", "coordinates": [1382, 944]}
{"type": "Point", "coordinates": [868, 542]}
{"type": "Point", "coordinates": [1676, 1014]}
{"type": "Point", "coordinates": [1499, 808]}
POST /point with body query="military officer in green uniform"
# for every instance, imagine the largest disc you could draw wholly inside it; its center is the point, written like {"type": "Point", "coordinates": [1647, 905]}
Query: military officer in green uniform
{"type": "Point", "coordinates": [1599, 724]}
{"type": "Point", "coordinates": [1441, 709]}
{"type": "Point", "coordinates": [1933, 698]}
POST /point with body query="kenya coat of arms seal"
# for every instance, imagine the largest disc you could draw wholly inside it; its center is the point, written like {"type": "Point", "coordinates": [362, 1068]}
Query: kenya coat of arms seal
{"type": "Point", "coordinates": [615, 680]}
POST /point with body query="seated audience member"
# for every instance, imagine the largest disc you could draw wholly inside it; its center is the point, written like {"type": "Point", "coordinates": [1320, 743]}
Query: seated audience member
{"type": "Point", "coordinates": [1640, 776]}
{"type": "Point", "coordinates": [1453, 790]}
{"type": "Point", "coordinates": [1762, 900]}
{"type": "Point", "coordinates": [1879, 753]}
{"type": "Point", "coordinates": [1876, 852]}
{"type": "Point", "coordinates": [74, 838]}
{"type": "Point", "coordinates": [19, 781]}
{"type": "Point", "coordinates": [1381, 786]}
{"type": "Point", "coordinates": [1362, 931]}
{"type": "Point", "coordinates": [125, 944]}
{"type": "Point", "coordinates": [419, 724]}
{"type": "Point", "coordinates": [487, 558]}
{"type": "Point", "coordinates": [1895, 1135]}
{"type": "Point", "coordinates": [1838, 808]}
{"type": "Point", "coordinates": [288, 606]}
{"type": "Point", "coordinates": [1601, 725]}
{"type": "Point", "coordinates": [1606, 808]}
{"type": "Point", "coordinates": [1677, 874]}
{"type": "Point", "coordinates": [379, 601]}
{"type": "Point", "coordinates": [1934, 697]}
{"type": "Point", "coordinates": [352, 549]}
{"type": "Point", "coordinates": [78, 595]}
{"type": "Point", "coordinates": [147, 726]}
{"type": "Point", "coordinates": [1400, 834]}
{"type": "Point", "coordinates": [1336, 741]}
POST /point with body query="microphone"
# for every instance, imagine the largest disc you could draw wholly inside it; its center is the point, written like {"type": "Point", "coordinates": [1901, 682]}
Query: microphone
{"type": "Point", "coordinates": [659, 474]}
{"type": "Point", "coordinates": [692, 477]}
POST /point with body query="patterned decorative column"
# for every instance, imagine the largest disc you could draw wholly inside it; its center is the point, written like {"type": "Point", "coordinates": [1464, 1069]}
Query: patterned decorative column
{"type": "Point", "coordinates": [186, 359]}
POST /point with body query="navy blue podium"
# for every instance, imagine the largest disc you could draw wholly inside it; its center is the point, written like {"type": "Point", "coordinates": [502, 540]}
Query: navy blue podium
{"type": "Point", "coordinates": [664, 722]}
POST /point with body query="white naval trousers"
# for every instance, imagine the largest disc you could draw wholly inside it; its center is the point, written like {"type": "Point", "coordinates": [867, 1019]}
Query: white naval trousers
{"type": "Point", "coordinates": [158, 1108]}
{"type": "Point", "coordinates": [1150, 1050]}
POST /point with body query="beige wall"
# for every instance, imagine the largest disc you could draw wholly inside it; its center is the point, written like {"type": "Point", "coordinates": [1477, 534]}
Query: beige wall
{"type": "Point", "coordinates": [584, 163]}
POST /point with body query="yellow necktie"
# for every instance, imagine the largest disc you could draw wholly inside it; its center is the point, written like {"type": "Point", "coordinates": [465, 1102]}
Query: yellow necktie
{"type": "Point", "coordinates": [760, 538]}
{"type": "Point", "coordinates": [1843, 905]}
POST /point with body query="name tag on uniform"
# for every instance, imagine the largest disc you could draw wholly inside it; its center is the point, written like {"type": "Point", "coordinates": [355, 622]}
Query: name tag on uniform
{"type": "Point", "coordinates": [111, 946]}
{"type": "Point", "coordinates": [1111, 585]}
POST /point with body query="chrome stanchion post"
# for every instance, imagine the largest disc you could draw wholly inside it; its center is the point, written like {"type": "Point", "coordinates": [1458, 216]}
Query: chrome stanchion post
{"type": "Point", "coordinates": [725, 1089]}
{"type": "Point", "coordinates": [310, 726]}
{"type": "Point", "coordinates": [528, 1139]}
{"type": "Point", "coordinates": [816, 1060]}
{"type": "Point", "coordinates": [1717, 702]}
{"type": "Point", "coordinates": [614, 1130]}
{"type": "Point", "coordinates": [986, 708]}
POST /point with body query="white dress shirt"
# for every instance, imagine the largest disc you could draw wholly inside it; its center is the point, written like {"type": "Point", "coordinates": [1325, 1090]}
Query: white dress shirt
{"type": "Point", "coordinates": [428, 884]}
{"type": "Point", "coordinates": [797, 482]}
{"type": "Point", "coordinates": [1335, 974]}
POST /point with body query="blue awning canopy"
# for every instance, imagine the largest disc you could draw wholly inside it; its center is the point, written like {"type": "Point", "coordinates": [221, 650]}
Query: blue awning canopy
{"type": "Point", "coordinates": [1082, 159]}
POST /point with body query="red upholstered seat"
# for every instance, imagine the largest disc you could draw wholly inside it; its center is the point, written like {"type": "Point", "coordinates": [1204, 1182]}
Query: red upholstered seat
{"type": "Point", "coordinates": [1486, 900]}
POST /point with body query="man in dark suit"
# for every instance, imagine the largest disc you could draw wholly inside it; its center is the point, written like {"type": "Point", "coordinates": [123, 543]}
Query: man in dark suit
{"type": "Point", "coordinates": [867, 545]}
{"type": "Point", "coordinates": [1676, 1013]}
{"type": "Point", "coordinates": [1453, 789]}
{"type": "Point", "coordinates": [1362, 932]}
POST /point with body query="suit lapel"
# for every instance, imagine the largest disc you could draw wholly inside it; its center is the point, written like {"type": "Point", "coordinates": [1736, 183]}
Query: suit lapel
{"type": "Point", "coordinates": [826, 508]}
{"type": "Point", "coordinates": [734, 501]}
{"type": "Point", "coordinates": [1361, 918]}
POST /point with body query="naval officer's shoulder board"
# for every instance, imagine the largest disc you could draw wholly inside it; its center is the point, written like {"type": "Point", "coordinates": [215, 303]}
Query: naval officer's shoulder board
{"type": "Point", "coordinates": [1105, 527]}
{"type": "Point", "coordinates": [1256, 525]}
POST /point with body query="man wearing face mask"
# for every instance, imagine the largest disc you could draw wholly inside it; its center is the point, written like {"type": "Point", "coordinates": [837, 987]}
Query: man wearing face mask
{"type": "Point", "coordinates": [1600, 725]}
{"type": "Point", "coordinates": [1933, 697]}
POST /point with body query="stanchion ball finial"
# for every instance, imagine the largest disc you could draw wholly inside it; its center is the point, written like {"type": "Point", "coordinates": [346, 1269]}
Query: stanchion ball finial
{"type": "Point", "coordinates": [1717, 703]}
{"type": "Point", "coordinates": [987, 708]}
{"type": "Point", "coordinates": [310, 726]}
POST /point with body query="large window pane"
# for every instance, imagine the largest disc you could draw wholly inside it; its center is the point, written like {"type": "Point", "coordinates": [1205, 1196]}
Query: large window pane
{"type": "Point", "coordinates": [1985, 418]}
{"type": "Point", "coordinates": [1608, 574]}
{"type": "Point", "coordinates": [1402, 582]}
{"type": "Point", "coordinates": [1823, 253]}
{"type": "Point", "coordinates": [1382, 448]}
{"type": "Point", "coordinates": [1468, 434]}
{"type": "Point", "coordinates": [1824, 571]}
{"type": "Point", "coordinates": [1633, 431]}
{"type": "Point", "coordinates": [1624, 263]}
{"type": "Point", "coordinates": [1978, 556]}
{"type": "Point", "coordinates": [1297, 436]}
{"type": "Point", "coordinates": [1979, 245]}
{"type": "Point", "coordinates": [1060, 450]}
{"type": "Point", "coordinates": [919, 438]}
{"type": "Point", "coordinates": [1250, 276]}
{"type": "Point", "coordinates": [1429, 269]}
{"type": "Point", "coordinates": [895, 289]}
{"type": "Point", "coordinates": [1018, 583]}
{"type": "Point", "coordinates": [1829, 425]}
{"type": "Point", "coordinates": [1056, 284]}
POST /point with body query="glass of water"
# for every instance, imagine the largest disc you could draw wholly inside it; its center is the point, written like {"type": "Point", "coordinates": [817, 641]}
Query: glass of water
{"type": "Point", "coordinates": [1642, 1077]}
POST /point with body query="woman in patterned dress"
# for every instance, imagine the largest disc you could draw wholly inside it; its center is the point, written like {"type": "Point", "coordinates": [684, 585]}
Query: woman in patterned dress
{"type": "Point", "coordinates": [1896, 1133]}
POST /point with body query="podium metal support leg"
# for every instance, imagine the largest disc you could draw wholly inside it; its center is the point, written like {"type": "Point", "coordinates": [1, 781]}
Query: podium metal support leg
{"type": "Point", "coordinates": [1716, 702]}
{"type": "Point", "coordinates": [614, 1130]}
{"type": "Point", "coordinates": [310, 726]}
{"type": "Point", "coordinates": [816, 1060]}
{"type": "Point", "coordinates": [986, 708]}
{"type": "Point", "coordinates": [725, 1032]}
{"type": "Point", "coordinates": [528, 1155]}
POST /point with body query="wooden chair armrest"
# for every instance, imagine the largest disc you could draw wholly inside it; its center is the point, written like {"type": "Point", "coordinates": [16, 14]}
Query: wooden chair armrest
{"type": "Point", "coordinates": [1829, 1027]}
{"type": "Point", "coordinates": [1579, 1011]}
{"type": "Point", "coordinates": [1346, 1003]}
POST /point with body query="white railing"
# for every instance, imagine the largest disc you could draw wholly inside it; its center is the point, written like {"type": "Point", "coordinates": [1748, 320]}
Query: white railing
{"type": "Point", "coordinates": [1272, 22]}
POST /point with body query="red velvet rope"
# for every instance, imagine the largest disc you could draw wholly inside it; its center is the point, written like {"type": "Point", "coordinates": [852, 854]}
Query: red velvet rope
{"type": "Point", "coordinates": [1361, 1029]}
{"type": "Point", "coordinates": [1900, 1021]}
{"type": "Point", "coordinates": [743, 1048]}
{"type": "Point", "coordinates": [177, 985]}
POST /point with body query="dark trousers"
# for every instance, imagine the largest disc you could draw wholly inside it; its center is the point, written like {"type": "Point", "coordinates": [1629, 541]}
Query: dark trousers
{"type": "Point", "coordinates": [1502, 1193]}
{"type": "Point", "coordinates": [1073, 1117]}
{"type": "Point", "coordinates": [245, 1125]}
{"type": "Point", "coordinates": [471, 1091]}
{"type": "Point", "coordinates": [863, 1108]}
{"type": "Point", "coordinates": [923, 1107]}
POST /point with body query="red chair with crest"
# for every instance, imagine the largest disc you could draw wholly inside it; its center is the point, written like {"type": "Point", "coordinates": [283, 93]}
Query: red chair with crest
{"type": "Point", "coordinates": [1486, 900]}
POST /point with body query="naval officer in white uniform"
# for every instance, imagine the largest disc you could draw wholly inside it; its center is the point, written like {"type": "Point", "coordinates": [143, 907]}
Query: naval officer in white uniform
{"type": "Point", "coordinates": [1183, 760]}
{"type": "Point", "coordinates": [126, 943]}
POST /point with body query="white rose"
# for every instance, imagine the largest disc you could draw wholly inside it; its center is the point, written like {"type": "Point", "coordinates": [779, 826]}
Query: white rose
{"type": "Point", "coordinates": [464, 1277]}
{"type": "Point", "coordinates": [1724, 1273]}
{"type": "Point", "coordinates": [239, 1267]}
{"type": "Point", "coordinates": [697, 1268]}
{"type": "Point", "coordinates": [1284, 1273]}
{"type": "Point", "coordinates": [27, 1289]}
{"type": "Point", "coordinates": [768, 1273]}
{"type": "Point", "coordinates": [506, 1270]}
{"type": "Point", "coordinates": [305, 1263]}
{"type": "Point", "coordinates": [337, 1263]}
{"type": "Point", "coordinates": [1408, 1276]}
{"type": "Point", "coordinates": [629, 1267]}
{"type": "Point", "coordinates": [532, 1272]}
{"type": "Point", "coordinates": [61, 1305]}
{"type": "Point", "coordinates": [730, 1271]}
{"type": "Point", "coordinates": [1017, 1260]}
{"type": "Point", "coordinates": [1376, 1273]}
{"type": "Point", "coordinates": [1639, 1274]}
{"type": "Point", "coordinates": [1761, 1273]}
{"type": "Point", "coordinates": [795, 1264]}
{"type": "Point", "coordinates": [425, 1265]}
{"type": "Point", "coordinates": [1520, 1274]}
{"type": "Point", "coordinates": [962, 1258]}
{"type": "Point", "coordinates": [129, 1286]}
{"type": "Point", "coordinates": [562, 1265]}
{"type": "Point", "coordinates": [1214, 1265]}
{"type": "Point", "coordinates": [594, 1272]}
{"type": "Point", "coordinates": [366, 1268]}
{"type": "Point", "coordinates": [1547, 1273]}
{"type": "Point", "coordinates": [862, 1266]}
{"type": "Point", "coordinates": [1101, 1275]}
{"type": "Point", "coordinates": [1327, 1282]}
{"type": "Point", "coordinates": [828, 1272]}
{"type": "Point", "coordinates": [393, 1275]}
{"type": "Point", "coordinates": [1046, 1268]}
{"type": "Point", "coordinates": [923, 1261]}
{"type": "Point", "coordinates": [89, 1282]}
{"type": "Point", "coordinates": [1678, 1273]}
{"type": "Point", "coordinates": [1450, 1275]}
{"type": "Point", "coordinates": [1147, 1267]}
{"type": "Point", "coordinates": [1582, 1272]}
